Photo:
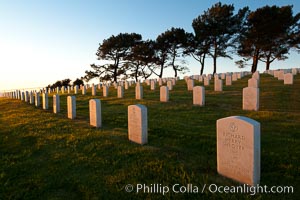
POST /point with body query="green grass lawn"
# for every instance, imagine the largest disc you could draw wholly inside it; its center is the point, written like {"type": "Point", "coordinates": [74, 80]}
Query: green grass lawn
{"type": "Point", "coordinates": [47, 156]}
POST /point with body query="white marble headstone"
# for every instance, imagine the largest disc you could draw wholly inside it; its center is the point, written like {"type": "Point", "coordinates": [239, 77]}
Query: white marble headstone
{"type": "Point", "coordinates": [199, 95]}
{"type": "Point", "coordinates": [71, 104]}
{"type": "Point", "coordinates": [251, 98]}
{"type": "Point", "coordinates": [238, 149]}
{"type": "Point", "coordinates": [56, 103]}
{"type": "Point", "coordinates": [138, 92]}
{"type": "Point", "coordinates": [95, 113]}
{"type": "Point", "coordinates": [170, 85]}
{"type": "Point", "coordinates": [120, 91]}
{"type": "Point", "coordinates": [94, 92]}
{"type": "Point", "coordinates": [152, 85]}
{"type": "Point", "coordinates": [228, 80]}
{"type": "Point", "coordinates": [76, 89]}
{"type": "Point", "coordinates": [288, 79]}
{"type": "Point", "coordinates": [164, 94]}
{"type": "Point", "coordinates": [218, 85]}
{"type": "Point", "coordinates": [190, 84]}
{"type": "Point", "coordinates": [37, 99]}
{"type": "Point", "coordinates": [45, 101]}
{"type": "Point", "coordinates": [253, 82]}
{"type": "Point", "coordinates": [105, 91]}
{"type": "Point", "coordinates": [138, 124]}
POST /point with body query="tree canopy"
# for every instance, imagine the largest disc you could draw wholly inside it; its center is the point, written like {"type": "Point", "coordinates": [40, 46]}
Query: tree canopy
{"type": "Point", "coordinates": [266, 34]}
{"type": "Point", "coordinates": [215, 30]}
{"type": "Point", "coordinates": [114, 51]}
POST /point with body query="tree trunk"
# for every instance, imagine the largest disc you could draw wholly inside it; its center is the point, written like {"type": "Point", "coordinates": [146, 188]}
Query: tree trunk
{"type": "Point", "coordinates": [162, 68]}
{"type": "Point", "coordinates": [175, 70]}
{"type": "Point", "coordinates": [255, 61]}
{"type": "Point", "coordinates": [202, 64]}
{"type": "Point", "coordinates": [268, 65]}
{"type": "Point", "coordinates": [173, 62]}
{"type": "Point", "coordinates": [136, 75]}
{"type": "Point", "coordinates": [161, 71]}
{"type": "Point", "coordinates": [115, 74]}
{"type": "Point", "coordinates": [268, 62]}
{"type": "Point", "coordinates": [116, 70]}
{"type": "Point", "coordinates": [215, 58]}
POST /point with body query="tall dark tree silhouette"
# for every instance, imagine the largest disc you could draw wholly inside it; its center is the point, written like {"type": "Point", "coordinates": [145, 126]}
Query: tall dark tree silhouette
{"type": "Point", "coordinates": [177, 41]}
{"type": "Point", "coordinates": [217, 27]}
{"type": "Point", "coordinates": [169, 47]}
{"type": "Point", "coordinates": [113, 50]}
{"type": "Point", "coordinates": [270, 33]}
{"type": "Point", "coordinates": [161, 47]}
{"type": "Point", "coordinates": [78, 82]}
{"type": "Point", "coordinates": [140, 59]}
{"type": "Point", "coordinates": [66, 82]}
{"type": "Point", "coordinates": [197, 47]}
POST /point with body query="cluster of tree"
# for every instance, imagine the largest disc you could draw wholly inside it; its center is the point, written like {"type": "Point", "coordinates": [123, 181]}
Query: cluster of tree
{"type": "Point", "coordinates": [66, 82]}
{"type": "Point", "coordinates": [265, 34]}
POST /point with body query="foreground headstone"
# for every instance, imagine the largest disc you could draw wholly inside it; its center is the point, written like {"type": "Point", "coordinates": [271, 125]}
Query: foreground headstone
{"type": "Point", "coordinates": [288, 79]}
{"type": "Point", "coordinates": [251, 98]}
{"type": "Point", "coordinates": [238, 149]}
{"type": "Point", "coordinates": [138, 92]}
{"type": "Point", "coordinates": [164, 94]}
{"type": "Point", "coordinates": [95, 113]}
{"type": "Point", "coordinates": [56, 103]}
{"type": "Point", "coordinates": [137, 124]}
{"type": "Point", "coordinates": [199, 95]}
{"type": "Point", "coordinates": [71, 103]}
{"type": "Point", "coordinates": [45, 101]}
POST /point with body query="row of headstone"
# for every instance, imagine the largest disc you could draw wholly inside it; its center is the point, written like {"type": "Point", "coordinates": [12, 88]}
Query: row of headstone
{"type": "Point", "coordinates": [287, 75]}
{"type": "Point", "coordinates": [95, 106]}
{"type": "Point", "coordinates": [238, 138]}
{"type": "Point", "coordinates": [251, 93]}
{"type": "Point", "coordinates": [238, 143]}
{"type": "Point", "coordinates": [218, 80]}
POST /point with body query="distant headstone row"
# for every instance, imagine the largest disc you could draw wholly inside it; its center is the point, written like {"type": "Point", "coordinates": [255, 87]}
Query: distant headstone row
{"type": "Point", "coordinates": [287, 75]}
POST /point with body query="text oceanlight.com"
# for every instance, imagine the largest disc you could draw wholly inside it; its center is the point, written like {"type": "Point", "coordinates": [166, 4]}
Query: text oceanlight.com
{"type": "Point", "coordinates": [212, 188]}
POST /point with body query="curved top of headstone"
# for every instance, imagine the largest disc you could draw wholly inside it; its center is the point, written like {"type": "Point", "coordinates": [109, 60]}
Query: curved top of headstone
{"type": "Point", "coordinates": [242, 118]}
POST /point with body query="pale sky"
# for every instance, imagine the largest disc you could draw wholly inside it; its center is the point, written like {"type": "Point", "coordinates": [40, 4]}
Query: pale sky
{"type": "Point", "coordinates": [42, 41]}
